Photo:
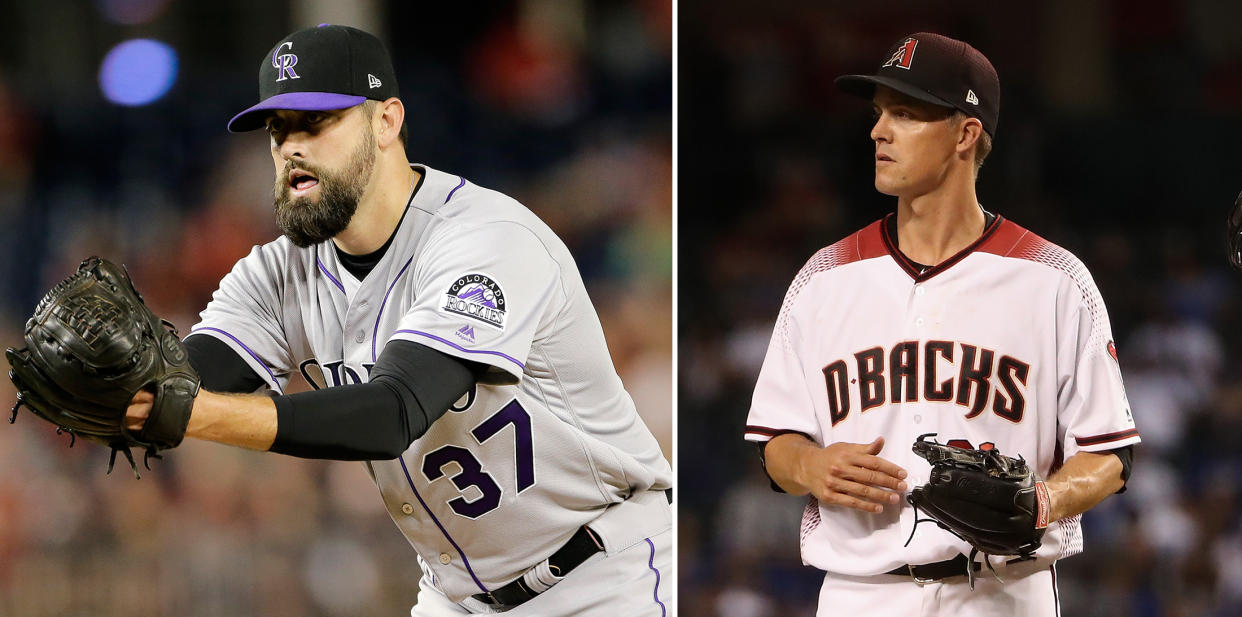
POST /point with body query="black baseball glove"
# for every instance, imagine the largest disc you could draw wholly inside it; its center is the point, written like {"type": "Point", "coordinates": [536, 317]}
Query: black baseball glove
{"type": "Point", "coordinates": [90, 347]}
{"type": "Point", "coordinates": [996, 503]}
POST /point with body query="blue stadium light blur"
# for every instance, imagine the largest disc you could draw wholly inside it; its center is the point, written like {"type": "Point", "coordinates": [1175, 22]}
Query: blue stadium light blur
{"type": "Point", "coordinates": [138, 72]}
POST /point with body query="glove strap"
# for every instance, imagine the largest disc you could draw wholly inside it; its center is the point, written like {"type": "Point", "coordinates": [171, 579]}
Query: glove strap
{"type": "Point", "coordinates": [1042, 505]}
{"type": "Point", "coordinates": [170, 413]}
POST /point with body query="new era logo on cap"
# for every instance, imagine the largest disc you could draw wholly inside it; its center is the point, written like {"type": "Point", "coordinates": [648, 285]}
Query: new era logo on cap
{"type": "Point", "coordinates": [373, 81]}
{"type": "Point", "coordinates": [971, 98]}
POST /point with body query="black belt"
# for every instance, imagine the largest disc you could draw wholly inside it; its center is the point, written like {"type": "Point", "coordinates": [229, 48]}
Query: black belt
{"type": "Point", "coordinates": [931, 572]}
{"type": "Point", "coordinates": [581, 546]}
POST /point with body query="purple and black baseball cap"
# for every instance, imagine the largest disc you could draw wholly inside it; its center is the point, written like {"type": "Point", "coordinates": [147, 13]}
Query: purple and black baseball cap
{"type": "Point", "coordinates": [938, 70]}
{"type": "Point", "coordinates": [317, 69]}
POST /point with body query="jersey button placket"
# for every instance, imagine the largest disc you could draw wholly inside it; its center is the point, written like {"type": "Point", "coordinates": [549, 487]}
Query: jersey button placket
{"type": "Point", "coordinates": [360, 337]}
{"type": "Point", "coordinates": [407, 509]}
{"type": "Point", "coordinates": [445, 559]}
{"type": "Point", "coordinates": [920, 290]}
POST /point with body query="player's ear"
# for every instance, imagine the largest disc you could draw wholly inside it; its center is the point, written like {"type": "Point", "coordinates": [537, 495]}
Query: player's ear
{"type": "Point", "coordinates": [390, 117]}
{"type": "Point", "coordinates": [968, 133]}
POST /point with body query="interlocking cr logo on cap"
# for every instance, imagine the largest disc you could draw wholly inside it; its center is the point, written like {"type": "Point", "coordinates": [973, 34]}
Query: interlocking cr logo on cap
{"type": "Point", "coordinates": [284, 63]}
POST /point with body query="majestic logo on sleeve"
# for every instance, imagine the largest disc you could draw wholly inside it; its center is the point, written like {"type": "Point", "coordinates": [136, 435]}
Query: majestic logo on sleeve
{"type": "Point", "coordinates": [284, 63]}
{"type": "Point", "coordinates": [478, 297]}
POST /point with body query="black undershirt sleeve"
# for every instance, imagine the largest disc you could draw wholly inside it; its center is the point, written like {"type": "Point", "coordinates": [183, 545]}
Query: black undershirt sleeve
{"type": "Point", "coordinates": [1126, 454]}
{"type": "Point", "coordinates": [220, 368]}
{"type": "Point", "coordinates": [411, 386]}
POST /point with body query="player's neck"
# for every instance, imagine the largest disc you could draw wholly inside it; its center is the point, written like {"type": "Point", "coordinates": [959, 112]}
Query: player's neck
{"type": "Point", "coordinates": [934, 227]}
{"type": "Point", "coordinates": [380, 209]}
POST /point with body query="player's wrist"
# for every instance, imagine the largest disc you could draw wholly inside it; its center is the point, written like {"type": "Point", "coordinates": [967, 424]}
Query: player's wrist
{"type": "Point", "coordinates": [200, 414]}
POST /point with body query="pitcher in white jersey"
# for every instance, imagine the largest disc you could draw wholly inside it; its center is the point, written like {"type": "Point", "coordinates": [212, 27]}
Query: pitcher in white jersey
{"type": "Point", "coordinates": [939, 318]}
{"type": "Point", "coordinates": [453, 349]}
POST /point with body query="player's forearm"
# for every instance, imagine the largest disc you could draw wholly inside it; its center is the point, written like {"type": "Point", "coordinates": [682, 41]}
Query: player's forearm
{"type": "Point", "coordinates": [244, 420]}
{"type": "Point", "coordinates": [1084, 481]}
{"type": "Point", "coordinates": [783, 456]}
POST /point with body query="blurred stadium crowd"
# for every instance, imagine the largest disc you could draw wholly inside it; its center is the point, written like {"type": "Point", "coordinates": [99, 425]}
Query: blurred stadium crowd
{"type": "Point", "coordinates": [1115, 140]}
{"type": "Point", "coordinates": [565, 105]}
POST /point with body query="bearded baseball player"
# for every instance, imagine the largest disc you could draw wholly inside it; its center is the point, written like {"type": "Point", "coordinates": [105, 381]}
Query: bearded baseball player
{"type": "Point", "coordinates": [452, 347]}
{"type": "Point", "coordinates": [942, 365]}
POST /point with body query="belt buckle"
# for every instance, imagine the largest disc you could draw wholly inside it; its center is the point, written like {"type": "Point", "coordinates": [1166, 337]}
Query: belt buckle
{"type": "Point", "coordinates": [917, 579]}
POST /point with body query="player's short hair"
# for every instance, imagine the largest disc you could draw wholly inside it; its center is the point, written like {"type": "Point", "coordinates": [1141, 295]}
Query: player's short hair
{"type": "Point", "coordinates": [983, 147]}
{"type": "Point", "coordinates": [368, 106]}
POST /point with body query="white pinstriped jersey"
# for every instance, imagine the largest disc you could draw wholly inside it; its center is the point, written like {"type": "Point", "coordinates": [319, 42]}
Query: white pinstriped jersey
{"type": "Point", "coordinates": [1007, 343]}
{"type": "Point", "coordinates": [545, 443]}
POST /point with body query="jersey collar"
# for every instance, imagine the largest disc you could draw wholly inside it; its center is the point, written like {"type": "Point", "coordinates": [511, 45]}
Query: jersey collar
{"type": "Point", "coordinates": [888, 233]}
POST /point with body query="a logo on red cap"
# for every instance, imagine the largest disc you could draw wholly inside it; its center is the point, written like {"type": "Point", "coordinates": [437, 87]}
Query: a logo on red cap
{"type": "Point", "coordinates": [284, 63]}
{"type": "Point", "coordinates": [904, 54]}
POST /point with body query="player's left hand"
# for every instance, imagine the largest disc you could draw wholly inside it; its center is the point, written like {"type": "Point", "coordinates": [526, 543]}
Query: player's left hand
{"type": "Point", "coordinates": [139, 409]}
{"type": "Point", "coordinates": [91, 344]}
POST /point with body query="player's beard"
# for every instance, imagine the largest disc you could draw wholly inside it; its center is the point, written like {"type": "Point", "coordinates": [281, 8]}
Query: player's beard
{"type": "Point", "coordinates": [307, 221]}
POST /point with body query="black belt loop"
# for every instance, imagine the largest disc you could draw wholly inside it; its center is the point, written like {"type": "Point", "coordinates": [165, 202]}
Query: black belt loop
{"type": "Point", "coordinates": [578, 549]}
{"type": "Point", "coordinates": [932, 572]}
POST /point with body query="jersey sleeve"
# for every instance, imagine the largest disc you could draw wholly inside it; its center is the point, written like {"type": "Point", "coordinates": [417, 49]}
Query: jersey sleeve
{"type": "Point", "coordinates": [782, 400]}
{"type": "Point", "coordinates": [480, 294]}
{"type": "Point", "coordinates": [1094, 413]}
{"type": "Point", "coordinates": [244, 313]}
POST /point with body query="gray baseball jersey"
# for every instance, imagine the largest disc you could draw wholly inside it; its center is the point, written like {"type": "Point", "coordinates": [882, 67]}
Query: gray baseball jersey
{"type": "Point", "coordinates": [546, 442]}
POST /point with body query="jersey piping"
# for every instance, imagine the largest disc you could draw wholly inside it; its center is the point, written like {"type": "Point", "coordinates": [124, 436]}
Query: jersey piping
{"type": "Point", "coordinates": [459, 185]}
{"type": "Point", "coordinates": [460, 348]}
{"type": "Point", "coordinates": [380, 314]}
{"type": "Point", "coordinates": [651, 565]}
{"type": "Point", "coordinates": [465, 560]}
{"type": "Point", "coordinates": [1107, 437]}
{"type": "Point", "coordinates": [250, 351]}
{"type": "Point", "coordinates": [771, 433]}
{"type": "Point", "coordinates": [911, 268]}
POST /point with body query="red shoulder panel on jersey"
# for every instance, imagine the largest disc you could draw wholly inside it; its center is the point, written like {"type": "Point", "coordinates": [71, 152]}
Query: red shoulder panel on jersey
{"type": "Point", "coordinates": [1013, 240]}
{"type": "Point", "coordinates": [1106, 438]}
{"type": "Point", "coordinates": [865, 243]}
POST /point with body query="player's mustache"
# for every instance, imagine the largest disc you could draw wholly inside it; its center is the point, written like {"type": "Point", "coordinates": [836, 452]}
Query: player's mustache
{"type": "Point", "coordinates": [293, 164]}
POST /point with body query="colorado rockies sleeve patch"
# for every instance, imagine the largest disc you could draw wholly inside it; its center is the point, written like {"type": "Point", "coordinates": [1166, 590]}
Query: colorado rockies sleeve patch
{"type": "Point", "coordinates": [478, 297]}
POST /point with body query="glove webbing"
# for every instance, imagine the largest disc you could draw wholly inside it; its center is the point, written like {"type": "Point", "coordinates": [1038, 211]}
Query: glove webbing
{"type": "Point", "coordinates": [146, 458]}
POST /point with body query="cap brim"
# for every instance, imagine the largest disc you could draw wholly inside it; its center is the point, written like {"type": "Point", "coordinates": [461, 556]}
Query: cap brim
{"type": "Point", "coordinates": [253, 117]}
{"type": "Point", "coordinates": [864, 86]}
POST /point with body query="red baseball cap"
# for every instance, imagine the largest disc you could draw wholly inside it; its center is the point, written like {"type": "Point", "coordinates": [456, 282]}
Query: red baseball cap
{"type": "Point", "coordinates": [938, 70]}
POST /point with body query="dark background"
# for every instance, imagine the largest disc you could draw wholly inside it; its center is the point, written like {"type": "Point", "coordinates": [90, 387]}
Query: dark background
{"type": "Point", "coordinates": [1117, 140]}
{"type": "Point", "coordinates": [565, 105]}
